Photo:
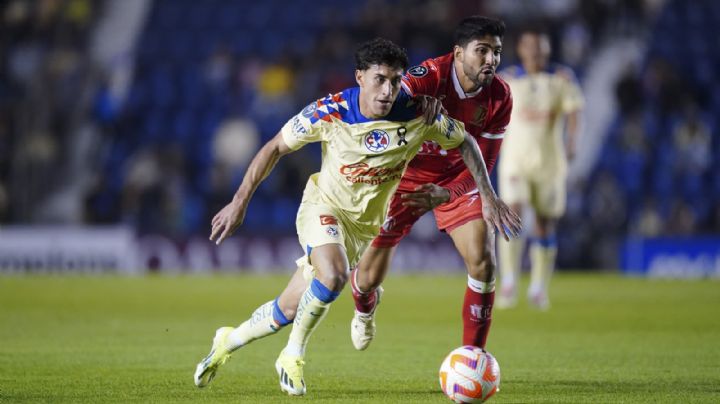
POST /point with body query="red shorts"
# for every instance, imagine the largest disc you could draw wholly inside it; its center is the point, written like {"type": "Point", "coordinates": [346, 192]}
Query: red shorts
{"type": "Point", "coordinates": [449, 216]}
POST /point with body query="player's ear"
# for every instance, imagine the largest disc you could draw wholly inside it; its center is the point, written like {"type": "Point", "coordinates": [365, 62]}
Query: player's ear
{"type": "Point", "coordinates": [359, 77]}
{"type": "Point", "coordinates": [458, 52]}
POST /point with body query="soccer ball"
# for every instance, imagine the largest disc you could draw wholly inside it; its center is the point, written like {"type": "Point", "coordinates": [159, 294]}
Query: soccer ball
{"type": "Point", "coordinates": [469, 375]}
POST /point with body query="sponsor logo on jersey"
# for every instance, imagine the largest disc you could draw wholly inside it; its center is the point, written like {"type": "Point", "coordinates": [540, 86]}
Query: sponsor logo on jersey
{"type": "Point", "coordinates": [308, 111]}
{"type": "Point", "coordinates": [328, 219]}
{"type": "Point", "coordinates": [450, 128]}
{"type": "Point", "coordinates": [297, 127]}
{"type": "Point", "coordinates": [363, 173]}
{"type": "Point", "coordinates": [418, 71]}
{"type": "Point", "coordinates": [432, 148]}
{"type": "Point", "coordinates": [332, 231]}
{"type": "Point", "coordinates": [377, 141]}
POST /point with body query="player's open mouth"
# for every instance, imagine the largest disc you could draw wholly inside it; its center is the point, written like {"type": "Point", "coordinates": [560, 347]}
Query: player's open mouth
{"type": "Point", "coordinates": [488, 71]}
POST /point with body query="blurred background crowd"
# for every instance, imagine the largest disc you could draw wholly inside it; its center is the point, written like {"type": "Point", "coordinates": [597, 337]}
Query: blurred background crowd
{"type": "Point", "coordinates": [146, 113]}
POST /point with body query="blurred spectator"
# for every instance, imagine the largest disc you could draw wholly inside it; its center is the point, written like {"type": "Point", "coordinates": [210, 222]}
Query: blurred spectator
{"type": "Point", "coordinates": [682, 221]}
{"type": "Point", "coordinates": [648, 222]}
{"type": "Point", "coordinates": [606, 205]}
{"type": "Point", "coordinates": [692, 142]}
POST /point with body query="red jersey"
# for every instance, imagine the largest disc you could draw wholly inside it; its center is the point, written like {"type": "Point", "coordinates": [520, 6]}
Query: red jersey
{"type": "Point", "coordinates": [485, 113]}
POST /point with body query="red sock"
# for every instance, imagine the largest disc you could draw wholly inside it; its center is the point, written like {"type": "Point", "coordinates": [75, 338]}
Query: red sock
{"type": "Point", "coordinates": [477, 316]}
{"type": "Point", "coordinates": [365, 302]}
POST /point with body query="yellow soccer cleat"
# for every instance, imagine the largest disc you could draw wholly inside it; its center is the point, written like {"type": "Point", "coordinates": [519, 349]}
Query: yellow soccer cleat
{"type": "Point", "coordinates": [219, 354]}
{"type": "Point", "coordinates": [290, 372]}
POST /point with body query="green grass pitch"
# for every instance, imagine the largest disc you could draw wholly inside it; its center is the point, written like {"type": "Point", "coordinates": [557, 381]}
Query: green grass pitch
{"type": "Point", "coordinates": [607, 339]}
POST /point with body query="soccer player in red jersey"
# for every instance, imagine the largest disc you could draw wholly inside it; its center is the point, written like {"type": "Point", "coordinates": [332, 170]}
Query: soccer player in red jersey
{"type": "Point", "coordinates": [465, 81]}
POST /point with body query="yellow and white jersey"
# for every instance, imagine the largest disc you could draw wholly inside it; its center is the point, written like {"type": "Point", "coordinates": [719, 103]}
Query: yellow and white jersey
{"type": "Point", "coordinates": [363, 159]}
{"type": "Point", "coordinates": [534, 139]}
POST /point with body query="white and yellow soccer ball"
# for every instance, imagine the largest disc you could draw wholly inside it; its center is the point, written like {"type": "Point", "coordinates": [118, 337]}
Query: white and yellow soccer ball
{"type": "Point", "coordinates": [469, 375]}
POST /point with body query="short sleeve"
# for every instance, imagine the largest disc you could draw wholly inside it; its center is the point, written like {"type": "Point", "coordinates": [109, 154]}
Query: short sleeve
{"type": "Point", "coordinates": [572, 97]}
{"type": "Point", "coordinates": [449, 133]}
{"type": "Point", "coordinates": [421, 79]}
{"type": "Point", "coordinates": [300, 130]}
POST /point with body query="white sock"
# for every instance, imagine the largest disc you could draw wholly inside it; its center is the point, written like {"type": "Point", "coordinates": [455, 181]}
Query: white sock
{"type": "Point", "coordinates": [543, 263]}
{"type": "Point", "coordinates": [259, 325]}
{"type": "Point", "coordinates": [510, 253]}
{"type": "Point", "coordinates": [310, 313]}
{"type": "Point", "coordinates": [481, 287]}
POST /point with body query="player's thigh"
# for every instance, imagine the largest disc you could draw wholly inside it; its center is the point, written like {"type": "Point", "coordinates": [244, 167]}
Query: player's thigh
{"type": "Point", "coordinates": [549, 195]}
{"type": "Point", "coordinates": [475, 243]}
{"type": "Point", "coordinates": [514, 188]}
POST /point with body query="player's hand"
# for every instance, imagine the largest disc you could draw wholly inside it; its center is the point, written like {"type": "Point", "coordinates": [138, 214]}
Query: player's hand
{"type": "Point", "coordinates": [426, 197]}
{"type": "Point", "coordinates": [227, 221]}
{"type": "Point", "coordinates": [430, 107]}
{"type": "Point", "coordinates": [501, 218]}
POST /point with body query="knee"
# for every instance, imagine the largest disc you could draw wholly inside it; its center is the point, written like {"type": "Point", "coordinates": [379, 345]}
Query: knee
{"type": "Point", "coordinates": [481, 266]}
{"type": "Point", "coordinates": [335, 278]}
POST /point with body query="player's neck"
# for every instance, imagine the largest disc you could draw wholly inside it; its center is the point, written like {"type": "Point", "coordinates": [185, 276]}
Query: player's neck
{"type": "Point", "coordinates": [533, 68]}
{"type": "Point", "coordinates": [467, 85]}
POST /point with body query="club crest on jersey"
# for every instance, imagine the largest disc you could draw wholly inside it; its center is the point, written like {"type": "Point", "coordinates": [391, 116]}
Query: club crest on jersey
{"type": "Point", "coordinates": [308, 111]}
{"type": "Point", "coordinates": [377, 141]}
{"type": "Point", "coordinates": [418, 71]}
{"type": "Point", "coordinates": [479, 116]}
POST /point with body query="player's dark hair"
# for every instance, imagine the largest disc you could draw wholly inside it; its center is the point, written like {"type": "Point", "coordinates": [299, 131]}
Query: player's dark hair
{"type": "Point", "coordinates": [475, 27]}
{"type": "Point", "coordinates": [533, 28]}
{"type": "Point", "coordinates": [380, 51]}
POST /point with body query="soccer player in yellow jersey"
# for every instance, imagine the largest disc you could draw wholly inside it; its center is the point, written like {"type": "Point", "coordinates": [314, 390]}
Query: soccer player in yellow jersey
{"type": "Point", "coordinates": [533, 163]}
{"type": "Point", "coordinates": [369, 134]}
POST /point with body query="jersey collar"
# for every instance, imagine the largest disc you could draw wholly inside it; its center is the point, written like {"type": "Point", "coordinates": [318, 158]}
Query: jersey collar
{"type": "Point", "coordinates": [458, 88]}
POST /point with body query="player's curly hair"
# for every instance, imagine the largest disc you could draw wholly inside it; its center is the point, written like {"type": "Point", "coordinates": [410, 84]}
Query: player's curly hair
{"type": "Point", "coordinates": [380, 51]}
{"type": "Point", "coordinates": [477, 26]}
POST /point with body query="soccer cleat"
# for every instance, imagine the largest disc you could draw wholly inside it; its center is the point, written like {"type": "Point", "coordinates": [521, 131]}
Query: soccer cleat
{"type": "Point", "coordinates": [362, 326]}
{"type": "Point", "coordinates": [290, 371]}
{"type": "Point", "coordinates": [539, 300]}
{"type": "Point", "coordinates": [219, 354]}
{"type": "Point", "coordinates": [507, 298]}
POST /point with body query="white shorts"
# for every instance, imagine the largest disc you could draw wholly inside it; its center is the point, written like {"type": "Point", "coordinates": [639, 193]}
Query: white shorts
{"type": "Point", "coordinates": [545, 191]}
{"type": "Point", "coordinates": [319, 225]}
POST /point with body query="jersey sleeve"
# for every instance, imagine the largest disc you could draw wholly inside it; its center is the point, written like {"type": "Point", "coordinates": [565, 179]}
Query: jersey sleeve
{"type": "Point", "coordinates": [301, 130]}
{"type": "Point", "coordinates": [494, 132]}
{"type": "Point", "coordinates": [572, 97]}
{"type": "Point", "coordinates": [501, 118]}
{"type": "Point", "coordinates": [449, 133]}
{"type": "Point", "coordinates": [422, 79]}
{"type": "Point", "coordinates": [463, 184]}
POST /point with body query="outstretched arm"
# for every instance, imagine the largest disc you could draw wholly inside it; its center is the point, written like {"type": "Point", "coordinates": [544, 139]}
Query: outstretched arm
{"type": "Point", "coordinates": [495, 212]}
{"type": "Point", "coordinates": [572, 129]}
{"type": "Point", "coordinates": [231, 216]}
